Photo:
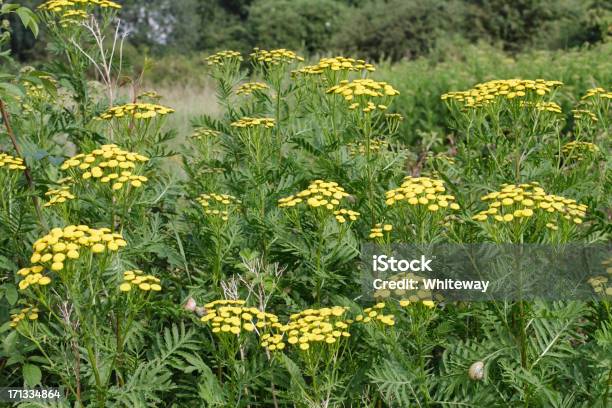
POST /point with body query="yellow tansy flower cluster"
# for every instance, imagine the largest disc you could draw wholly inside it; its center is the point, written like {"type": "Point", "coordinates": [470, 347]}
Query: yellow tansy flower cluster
{"type": "Point", "coordinates": [11, 163]}
{"type": "Point", "coordinates": [272, 341]}
{"type": "Point", "coordinates": [37, 91]}
{"type": "Point", "coordinates": [275, 57]}
{"type": "Point", "coordinates": [343, 214]}
{"type": "Point", "coordinates": [597, 92]}
{"type": "Point", "coordinates": [375, 313]}
{"type": "Point", "coordinates": [250, 87]}
{"type": "Point", "coordinates": [139, 110]}
{"type": "Point", "coordinates": [108, 164]}
{"type": "Point", "coordinates": [584, 114]}
{"type": "Point", "coordinates": [325, 194]}
{"type": "Point", "coordinates": [490, 91]}
{"type": "Point", "coordinates": [221, 57]}
{"type": "Point", "coordinates": [516, 202]}
{"type": "Point", "coordinates": [58, 196]}
{"type": "Point", "coordinates": [427, 303]}
{"type": "Point", "coordinates": [149, 95]}
{"type": "Point", "coordinates": [218, 204]}
{"type": "Point", "coordinates": [600, 285]}
{"type": "Point", "coordinates": [377, 231]}
{"type": "Point", "coordinates": [73, 17]}
{"type": "Point", "coordinates": [202, 133]}
{"type": "Point", "coordinates": [254, 122]}
{"type": "Point", "coordinates": [65, 244]}
{"type": "Point", "coordinates": [360, 148]}
{"type": "Point", "coordinates": [422, 191]}
{"type": "Point", "coordinates": [138, 279]}
{"type": "Point", "coordinates": [316, 326]}
{"type": "Point", "coordinates": [543, 106]}
{"type": "Point", "coordinates": [30, 312]}
{"type": "Point", "coordinates": [335, 64]}
{"type": "Point", "coordinates": [361, 92]}
{"type": "Point", "coordinates": [579, 150]}
{"type": "Point", "coordinates": [232, 316]}
{"type": "Point", "coordinates": [59, 6]}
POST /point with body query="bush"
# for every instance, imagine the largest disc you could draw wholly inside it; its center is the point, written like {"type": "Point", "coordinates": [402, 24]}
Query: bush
{"type": "Point", "coordinates": [396, 29]}
{"type": "Point", "coordinates": [299, 24]}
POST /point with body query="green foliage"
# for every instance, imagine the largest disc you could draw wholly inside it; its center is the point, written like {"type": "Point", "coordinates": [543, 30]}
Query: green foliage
{"type": "Point", "coordinates": [396, 29]}
{"type": "Point", "coordinates": [374, 29]}
{"type": "Point", "coordinates": [302, 24]}
{"type": "Point", "coordinates": [222, 269]}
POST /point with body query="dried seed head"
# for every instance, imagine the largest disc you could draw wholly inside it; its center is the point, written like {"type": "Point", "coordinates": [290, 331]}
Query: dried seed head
{"type": "Point", "coordinates": [190, 305]}
{"type": "Point", "coordinates": [476, 371]}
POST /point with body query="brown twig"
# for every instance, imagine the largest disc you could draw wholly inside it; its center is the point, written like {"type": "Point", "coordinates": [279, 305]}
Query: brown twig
{"type": "Point", "coordinates": [28, 175]}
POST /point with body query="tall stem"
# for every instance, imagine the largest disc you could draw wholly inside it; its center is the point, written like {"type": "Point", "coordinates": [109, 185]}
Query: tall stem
{"type": "Point", "coordinates": [28, 175]}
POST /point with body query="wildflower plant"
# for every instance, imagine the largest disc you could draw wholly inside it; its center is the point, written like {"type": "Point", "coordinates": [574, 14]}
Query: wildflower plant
{"type": "Point", "coordinates": [220, 226]}
{"type": "Point", "coordinates": [597, 100]}
{"type": "Point", "coordinates": [75, 263]}
{"type": "Point", "coordinates": [113, 175]}
{"type": "Point", "coordinates": [136, 125]}
{"type": "Point", "coordinates": [419, 205]}
{"type": "Point", "coordinates": [318, 340]}
{"type": "Point", "coordinates": [317, 215]}
{"type": "Point", "coordinates": [525, 212]}
{"type": "Point", "coordinates": [499, 118]}
{"type": "Point", "coordinates": [98, 268]}
{"type": "Point", "coordinates": [272, 65]}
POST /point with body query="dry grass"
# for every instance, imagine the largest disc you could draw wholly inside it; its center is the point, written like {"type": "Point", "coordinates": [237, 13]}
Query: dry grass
{"type": "Point", "coordinates": [189, 101]}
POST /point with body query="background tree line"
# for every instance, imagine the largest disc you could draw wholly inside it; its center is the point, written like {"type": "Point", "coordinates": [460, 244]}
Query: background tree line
{"type": "Point", "coordinates": [376, 29]}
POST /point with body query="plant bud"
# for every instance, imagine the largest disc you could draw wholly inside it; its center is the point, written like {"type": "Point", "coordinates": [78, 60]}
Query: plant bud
{"type": "Point", "coordinates": [190, 305]}
{"type": "Point", "coordinates": [476, 371]}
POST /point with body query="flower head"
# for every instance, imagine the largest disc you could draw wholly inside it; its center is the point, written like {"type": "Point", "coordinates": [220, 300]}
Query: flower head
{"type": "Point", "coordinates": [366, 94]}
{"type": "Point", "coordinates": [514, 203]}
{"type": "Point", "coordinates": [202, 133]}
{"type": "Point", "coordinates": [274, 57]}
{"type": "Point", "coordinates": [29, 313]}
{"type": "Point", "coordinates": [316, 327]}
{"type": "Point", "coordinates": [58, 196]}
{"type": "Point", "coordinates": [218, 205]}
{"type": "Point", "coordinates": [139, 110]}
{"type": "Point", "coordinates": [542, 106]}
{"type": "Point", "coordinates": [504, 89]}
{"type": "Point", "coordinates": [149, 95]}
{"type": "Point", "coordinates": [375, 314]}
{"type": "Point", "coordinates": [580, 114]}
{"type": "Point", "coordinates": [63, 245]}
{"type": "Point", "coordinates": [223, 57]}
{"type": "Point", "coordinates": [597, 93]}
{"type": "Point", "coordinates": [379, 230]}
{"type": "Point", "coordinates": [11, 163]}
{"type": "Point", "coordinates": [109, 165]}
{"type": "Point", "coordinates": [422, 191]}
{"type": "Point", "coordinates": [247, 122]}
{"type": "Point", "coordinates": [71, 12]}
{"type": "Point", "coordinates": [577, 150]}
{"type": "Point", "coordinates": [234, 317]}
{"type": "Point", "coordinates": [319, 194]}
{"type": "Point", "coordinates": [137, 279]}
{"type": "Point", "coordinates": [251, 87]}
{"type": "Point", "coordinates": [360, 149]}
{"type": "Point", "coordinates": [335, 64]}
{"type": "Point", "coordinates": [343, 215]}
